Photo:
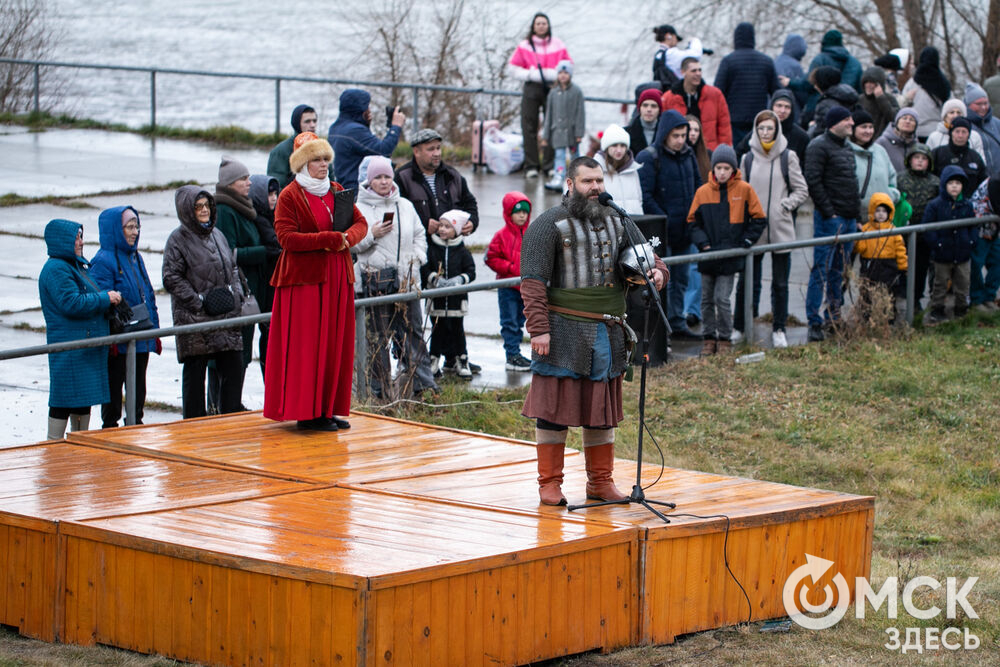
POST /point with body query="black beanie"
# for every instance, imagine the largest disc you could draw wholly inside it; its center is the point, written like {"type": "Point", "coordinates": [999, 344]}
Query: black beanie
{"type": "Point", "coordinates": [861, 117]}
{"type": "Point", "coordinates": [826, 76]}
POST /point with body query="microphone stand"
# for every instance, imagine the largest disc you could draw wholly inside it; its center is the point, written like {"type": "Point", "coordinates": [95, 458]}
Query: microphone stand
{"type": "Point", "coordinates": [649, 294]}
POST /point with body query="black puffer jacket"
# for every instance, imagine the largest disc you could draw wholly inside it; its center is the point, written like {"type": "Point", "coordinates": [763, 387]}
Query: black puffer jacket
{"type": "Point", "coordinates": [195, 260]}
{"type": "Point", "coordinates": [829, 173]}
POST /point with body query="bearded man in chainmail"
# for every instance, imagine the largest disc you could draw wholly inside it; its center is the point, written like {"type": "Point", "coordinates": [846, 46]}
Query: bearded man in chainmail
{"type": "Point", "coordinates": [574, 305]}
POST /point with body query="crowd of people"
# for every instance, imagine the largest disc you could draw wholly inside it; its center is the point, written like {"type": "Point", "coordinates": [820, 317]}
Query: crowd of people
{"type": "Point", "coordinates": [729, 165]}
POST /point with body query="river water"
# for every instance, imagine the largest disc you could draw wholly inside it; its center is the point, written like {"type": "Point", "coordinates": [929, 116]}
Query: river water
{"type": "Point", "coordinates": [612, 51]}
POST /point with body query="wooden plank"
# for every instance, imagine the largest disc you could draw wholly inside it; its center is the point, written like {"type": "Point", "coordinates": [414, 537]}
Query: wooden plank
{"type": "Point", "coordinates": [477, 593]}
{"type": "Point", "coordinates": [37, 591]}
{"type": "Point", "coordinates": [124, 598]}
{"type": "Point", "coordinates": [163, 619]}
{"type": "Point", "coordinates": [73, 595]}
{"type": "Point", "coordinates": [14, 576]}
{"type": "Point", "coordinates": [300, 611]}
{"type": "Point", "coordinates": [384, 603]}
{"type": "Point", "coordinates": [199, 613]}
{"type": "Point", "coordinates": [458, 621]}
{"type": "Point", "coordinates": [260, 619]}
{"type": "Point", "coordinates": [144, 620]}
{"type": "Point", "coordinates": [441, 631]}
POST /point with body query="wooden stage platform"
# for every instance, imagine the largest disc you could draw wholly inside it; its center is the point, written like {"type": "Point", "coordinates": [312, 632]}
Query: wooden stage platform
{"type": "Point", "coordinates": [235, 540]}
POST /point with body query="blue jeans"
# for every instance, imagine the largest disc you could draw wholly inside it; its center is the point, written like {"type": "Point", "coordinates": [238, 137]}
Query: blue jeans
{"type": "Point", "coordinates": [692, 297]}
{"type": "Point", "coordinates": [985, 254]}
{"type": "Point", "coordinates": [827, 274]}
{"type": "Point", "coordinates": [564, 156]}
{"type": "Point", "coordinates": [677, 287]}
{"type": "Point", "coordinates": [511, 320]}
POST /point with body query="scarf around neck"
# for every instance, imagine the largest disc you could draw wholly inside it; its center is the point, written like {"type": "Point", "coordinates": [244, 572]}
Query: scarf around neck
{"type": "Point", "coordinates": [242, 205]}
{"type": "Point", "coordinates": [314, 186]}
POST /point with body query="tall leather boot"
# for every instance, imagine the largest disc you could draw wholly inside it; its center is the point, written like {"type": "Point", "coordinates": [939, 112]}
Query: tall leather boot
{"type": "Point", "coordinates": [79, 422]}
{"type": "Point", "coordinates": [599, 452]}
{"type": "Point", "coordinates": [549, 450]}
{"type": "Point", "coordinates": [57, 428]}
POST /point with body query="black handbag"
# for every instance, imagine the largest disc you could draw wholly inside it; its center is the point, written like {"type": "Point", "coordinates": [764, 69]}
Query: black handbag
{"type": "Point", "coordinates": [119, 316]}
{"type": "Point", "coordinates": [140, 320]}
{"type": "Point", "coordinates": [219, 301]}
{"type": "Point", "coordinates": [379, 282]}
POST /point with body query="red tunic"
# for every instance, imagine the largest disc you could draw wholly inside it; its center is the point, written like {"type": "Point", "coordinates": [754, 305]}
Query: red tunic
{"type": "Point", "coordinates": [310, 349]}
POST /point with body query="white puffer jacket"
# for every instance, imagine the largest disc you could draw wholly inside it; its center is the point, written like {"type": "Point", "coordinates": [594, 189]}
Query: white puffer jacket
{"type": "Point", "coordinates": [623, 186]}
{"type": "Point", "coordinates": [408, 235]}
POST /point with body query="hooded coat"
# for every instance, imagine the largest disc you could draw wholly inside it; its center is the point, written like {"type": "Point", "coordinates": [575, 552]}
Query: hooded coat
{"type": "Point", "coordinates": [723, 217]}
{"type": "Point", "coordinates": [746, 78]}
{"type": "Point", "coordinates": [277, 160]}
{"type": "Point", "coordinates": [352, 139]}
{"type": "Point", "coordinates": [872, 164]}
{"type": "Point", "coordinates": [118, 266]}
{"type": "Point", "coordinates": [259, 188]}
{"type": "Point", "coordinates": [504, 252]}
{"type": "Point", "coordinates": [833, 54]}
{"type": "Point", "coordinates": [789, 63]}
{"type": "Point", "coordinates": [197, 259]}
{"type": "Point", "coordinates": [623, 185]}
{"type": "Point", "coordinates": [883, 107]}
{"type": "Point", "coordinates": [830, 174]}
{"type": "Point", "coordinates": [669, 179]}
{"type": "Point", "coordinates": [74, 308]}
{"type": "Point", "coordinates": [240, 229]}
{"type": "Point", "coordinates": [919, 187]}
{"type": "Point", "coordinates": [796, 137]}
{"type": "Point", "coordinates": [839, 94]}
{"type": "Point", "coordinates": [405, 247]}
{"type": "Point", "coordinates": [882, 258]}
{"type": "Point", "coordinates": [767, 181]}
{"type": "Point", "coordinates": [950, 246]}
{"type": "Point", "coordinates": [713, 111]}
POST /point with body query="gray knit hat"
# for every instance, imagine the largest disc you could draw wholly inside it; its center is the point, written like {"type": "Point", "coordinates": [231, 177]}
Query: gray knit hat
{"type": "Point", "coordinates": [724, 153]}
{"type": "Point", "coordinates": [423, 136]}
{"type": "Point", "coordinates": [231, 170]}
{"type": "Point", "coordinates": [973, 92]}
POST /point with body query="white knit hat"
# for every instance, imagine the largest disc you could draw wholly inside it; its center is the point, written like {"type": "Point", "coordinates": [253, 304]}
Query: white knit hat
{"type": "Point", "coordinates": [614, 134]}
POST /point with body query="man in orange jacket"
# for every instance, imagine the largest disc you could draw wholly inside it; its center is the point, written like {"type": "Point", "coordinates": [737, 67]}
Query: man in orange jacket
{"type": "Point", "coordinates": [691, 95]}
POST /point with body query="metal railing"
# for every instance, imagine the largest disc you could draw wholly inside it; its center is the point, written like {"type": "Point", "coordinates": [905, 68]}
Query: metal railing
{"type": "Point", "coordinates": [360, 304]}
{"type": "Point", "coordinates": [276, 78]}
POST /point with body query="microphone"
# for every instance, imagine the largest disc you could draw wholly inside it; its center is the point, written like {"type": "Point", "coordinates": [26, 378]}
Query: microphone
{"type": "Point", "coordinates": [605, 199]}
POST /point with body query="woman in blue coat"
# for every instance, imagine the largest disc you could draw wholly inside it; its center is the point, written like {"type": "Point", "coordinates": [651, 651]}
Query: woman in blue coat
{"type": "Point", "coordinates": [74, 308]}
{"type": "Point", "coordinates": [119, 266]}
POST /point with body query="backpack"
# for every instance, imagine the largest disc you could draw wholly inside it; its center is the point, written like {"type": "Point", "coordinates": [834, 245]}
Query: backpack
{"type": "Point", "coordinates": [783, 159]}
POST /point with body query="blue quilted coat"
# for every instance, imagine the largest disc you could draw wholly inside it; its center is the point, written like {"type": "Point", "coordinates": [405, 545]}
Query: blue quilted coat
{"type": "Point", "coordinates": [74, 308]}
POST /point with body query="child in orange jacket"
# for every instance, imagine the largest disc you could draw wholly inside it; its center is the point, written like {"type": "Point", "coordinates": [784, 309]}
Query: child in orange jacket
{"type": "Point", "coordinates": [883, 259]}
{"type": "Point", "coordinates": [725, 213]}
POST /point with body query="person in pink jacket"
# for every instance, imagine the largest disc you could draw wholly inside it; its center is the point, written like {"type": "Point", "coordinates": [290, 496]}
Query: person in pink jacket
{"type": "Point", "coordinates": [504, 257]}
{"type": "Point", "coordinates": [534, 62]}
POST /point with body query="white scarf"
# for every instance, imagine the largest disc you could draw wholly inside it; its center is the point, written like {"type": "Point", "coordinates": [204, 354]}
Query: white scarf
{"type": "Point", "coordinates": [314, 186]}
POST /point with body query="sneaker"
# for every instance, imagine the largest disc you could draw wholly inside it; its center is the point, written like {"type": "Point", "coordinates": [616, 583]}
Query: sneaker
{"type": "Point", "coordinates": [518, 363]}
{"type": "Point", "coordinates": [736, 336]}
{"type": "Point", "coordinates": [475, 368]}
{"type": "Point", "coordinates": [531, 173]}
{"type": "Point", "coordinates": [436, 367]}
{"type": "Point", "coordinates": [450, 365]}
{"type": "Point", "coordinates": [936, 316]}
{"type": "Point", "coordinates": [816, 333]}
{"type": "Point", "coordinates": [778, 340]}
{"type": "Point", "coordinates": [555, 183]}
{"type": "Point", "coordinates": [461, 367]}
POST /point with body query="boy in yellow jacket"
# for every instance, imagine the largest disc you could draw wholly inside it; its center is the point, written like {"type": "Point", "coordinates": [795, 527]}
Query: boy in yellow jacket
{"type": "Point", "coordinates": [883, 259]}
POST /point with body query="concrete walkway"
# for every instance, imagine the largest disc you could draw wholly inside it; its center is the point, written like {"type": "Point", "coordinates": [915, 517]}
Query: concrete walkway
{"type": "Point", "coordinates": [79, 163]}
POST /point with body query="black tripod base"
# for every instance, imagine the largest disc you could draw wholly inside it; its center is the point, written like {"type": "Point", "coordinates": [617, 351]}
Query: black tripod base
{"type": "Point", "coordinates": [638, 496]}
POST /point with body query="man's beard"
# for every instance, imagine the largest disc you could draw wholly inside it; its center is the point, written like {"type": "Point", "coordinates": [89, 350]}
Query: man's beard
{"type": "Point", "coordinates": [583, 208]}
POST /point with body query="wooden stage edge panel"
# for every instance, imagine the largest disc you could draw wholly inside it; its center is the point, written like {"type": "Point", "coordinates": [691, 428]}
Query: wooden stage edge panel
{"type": "Point", "coordinates": [229, 541]}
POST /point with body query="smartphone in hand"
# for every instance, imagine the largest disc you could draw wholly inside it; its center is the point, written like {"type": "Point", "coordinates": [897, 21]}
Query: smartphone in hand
{"type": "Point", "coordinates": [387, 218]}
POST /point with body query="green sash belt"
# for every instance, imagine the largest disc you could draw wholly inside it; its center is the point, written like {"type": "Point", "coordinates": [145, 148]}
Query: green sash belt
{"type": "Point", "coordinates": [598, 300]}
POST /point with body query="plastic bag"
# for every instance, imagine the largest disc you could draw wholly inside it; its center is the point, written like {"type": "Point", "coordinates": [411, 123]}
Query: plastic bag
{"type": "Point", "coordinates": [504, 151]}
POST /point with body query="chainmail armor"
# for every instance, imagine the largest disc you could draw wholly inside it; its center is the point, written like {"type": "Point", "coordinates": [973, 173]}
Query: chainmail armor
{"type": "Point", "coordinates": [565, 252]}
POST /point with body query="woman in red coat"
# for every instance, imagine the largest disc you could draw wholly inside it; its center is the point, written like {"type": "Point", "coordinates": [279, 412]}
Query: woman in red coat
{"type": "Point", "coordinates": [312, 323]}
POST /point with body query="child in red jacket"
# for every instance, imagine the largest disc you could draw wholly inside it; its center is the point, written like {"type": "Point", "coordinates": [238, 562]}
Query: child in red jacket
{"type": "Point", "coordinates": [504, 257]}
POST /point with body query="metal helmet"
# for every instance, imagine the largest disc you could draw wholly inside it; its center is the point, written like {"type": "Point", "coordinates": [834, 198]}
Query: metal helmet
{"type": "Point", "coordinates": [635, 261]}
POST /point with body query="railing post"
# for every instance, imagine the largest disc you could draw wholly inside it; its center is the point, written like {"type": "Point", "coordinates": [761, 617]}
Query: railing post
{"type": "Point", "coordinates": [38, 106]}
{"type": "Point", "coordinates": [416, 111]}
{"type": "Point", "coordinates": [130, 384]}
{"type": "Point", "coordinates": [277, 106]}
{"type": "Point", "coordinates": [911, 277]}
{"type": "Point", "coordinates": [152, 100]}
{"type": "Point", "coordinates": [748, 298]}
{"type": "Point", "coordinates": [360, 354]}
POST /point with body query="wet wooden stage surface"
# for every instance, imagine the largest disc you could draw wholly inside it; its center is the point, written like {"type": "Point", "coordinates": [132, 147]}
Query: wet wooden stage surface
{"type": "Point", "coordinates": [236, 540]}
